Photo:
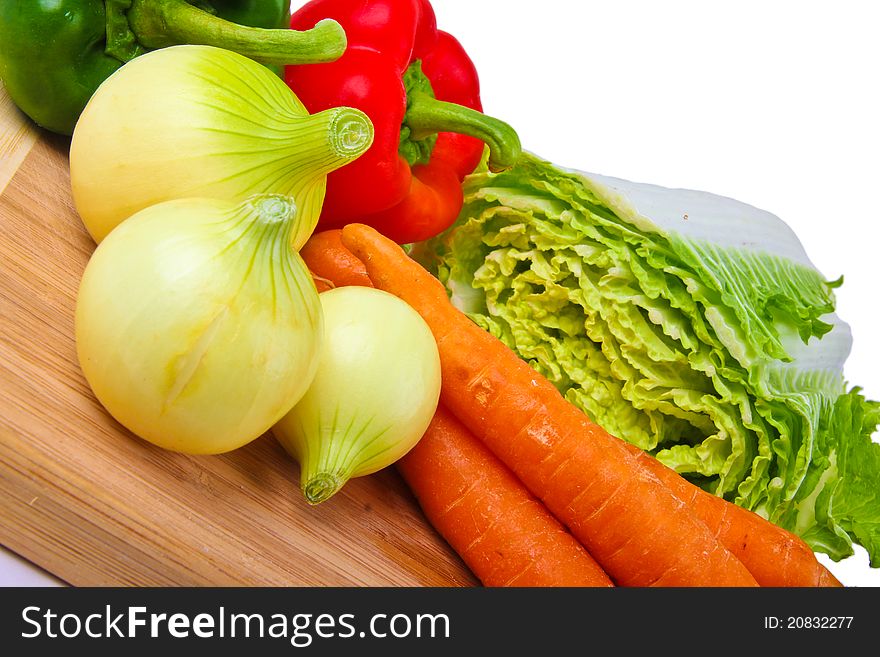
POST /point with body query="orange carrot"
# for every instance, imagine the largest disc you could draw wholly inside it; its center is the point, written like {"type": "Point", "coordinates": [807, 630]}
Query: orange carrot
{"type": "Point", "coordinates": [628, 520]}
{"type": "Point", "coordinates": [774, 556]}
{"type": "Point", "coordinates": [504, 535]}
{"type": "Point", "coordinates": [331, 264]}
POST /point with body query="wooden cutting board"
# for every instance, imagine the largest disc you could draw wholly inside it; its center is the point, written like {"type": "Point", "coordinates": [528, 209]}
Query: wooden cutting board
{"type": "Point", "coordinates": [94, 505]}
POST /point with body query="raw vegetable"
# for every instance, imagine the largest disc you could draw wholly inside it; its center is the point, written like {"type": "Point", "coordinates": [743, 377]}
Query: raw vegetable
{"type": "Point", "coordinates": [331, 264]}
{"type": "Point", "coordinates": [375, 391]}
{"type": "Point", "coordinates": [192, 121]}
{"type": "Point", "coordinates": [691, 325]}
{"type": "Point", "coordinates": [504, 535]}
{"type": "Point", "coordinates": [774, 556]}
{"type": "Point", "coordinates": [421, 91]}
{"type": "Point", "coordinates": [197, 327]}
{"type": "Point", "coordinates": [627, 519]}
{"type": "Point", "coordinates": [53, 55]}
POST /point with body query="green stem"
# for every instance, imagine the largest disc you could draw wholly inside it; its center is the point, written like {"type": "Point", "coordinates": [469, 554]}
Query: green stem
{"type": "Point", "coordinates": [319, 144]}
{"type": "Point", "coordinates": [426, 115]}
{"type": "Point", "coordinates": [163, 23]}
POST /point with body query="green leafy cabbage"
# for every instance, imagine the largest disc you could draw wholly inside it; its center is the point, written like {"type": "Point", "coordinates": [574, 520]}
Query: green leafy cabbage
{"type": "Point", "coordinates": [688, 324]}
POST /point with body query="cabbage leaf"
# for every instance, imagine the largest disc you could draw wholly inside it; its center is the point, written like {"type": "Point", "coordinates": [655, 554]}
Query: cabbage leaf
{"type": "Point", "coordinates": [689, 324]}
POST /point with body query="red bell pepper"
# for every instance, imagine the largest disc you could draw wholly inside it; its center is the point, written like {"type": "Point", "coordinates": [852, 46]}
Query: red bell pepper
{"type": "Point", "coordinates": [420, 89]}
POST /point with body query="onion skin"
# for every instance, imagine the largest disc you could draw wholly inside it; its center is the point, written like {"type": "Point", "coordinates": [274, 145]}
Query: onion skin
{"type": "Point", "coordinates": [374, 394]}
{"type": "Point", "coordinates": [196, 121]}
{"type": "Point", "coordinates": [197, 327]}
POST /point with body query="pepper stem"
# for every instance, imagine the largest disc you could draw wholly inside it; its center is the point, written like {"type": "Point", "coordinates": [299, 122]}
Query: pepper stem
{"type": "Point", "coordinates": [425, 116]}
{"type": "Point", "coordinates": [163, 23]}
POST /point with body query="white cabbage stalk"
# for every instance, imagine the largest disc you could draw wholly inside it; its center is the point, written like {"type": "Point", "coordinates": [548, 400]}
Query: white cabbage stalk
{"type": "Point", "coordinates": [197, 327]}
{"type": "Point", "coordinates": [198, 121]}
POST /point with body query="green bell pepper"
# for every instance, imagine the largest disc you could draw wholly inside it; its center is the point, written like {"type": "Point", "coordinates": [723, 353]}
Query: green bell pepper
{"type": "Point", "coordinates": [55, 53]}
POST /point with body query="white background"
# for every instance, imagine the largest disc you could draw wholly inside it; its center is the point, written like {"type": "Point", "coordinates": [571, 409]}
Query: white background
{"type": "Point", "coordinates": [771, 102]}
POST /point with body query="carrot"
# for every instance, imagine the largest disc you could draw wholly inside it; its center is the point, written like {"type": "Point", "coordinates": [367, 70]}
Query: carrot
{"type": "Point", "coordinates": [774, 556]}
{"type": "Point", "coordinates": [504, 535]}
{"type": "Point", "coordinates": [629, 521]}
{"type": "Point", "coordinates": [331, 264]}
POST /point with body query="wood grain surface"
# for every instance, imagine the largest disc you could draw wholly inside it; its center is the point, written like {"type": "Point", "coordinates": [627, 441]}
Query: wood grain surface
{"type": "Point", "coordinates": [94, 505]}
{"type": "Point", "coordinates": [17, 137]}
